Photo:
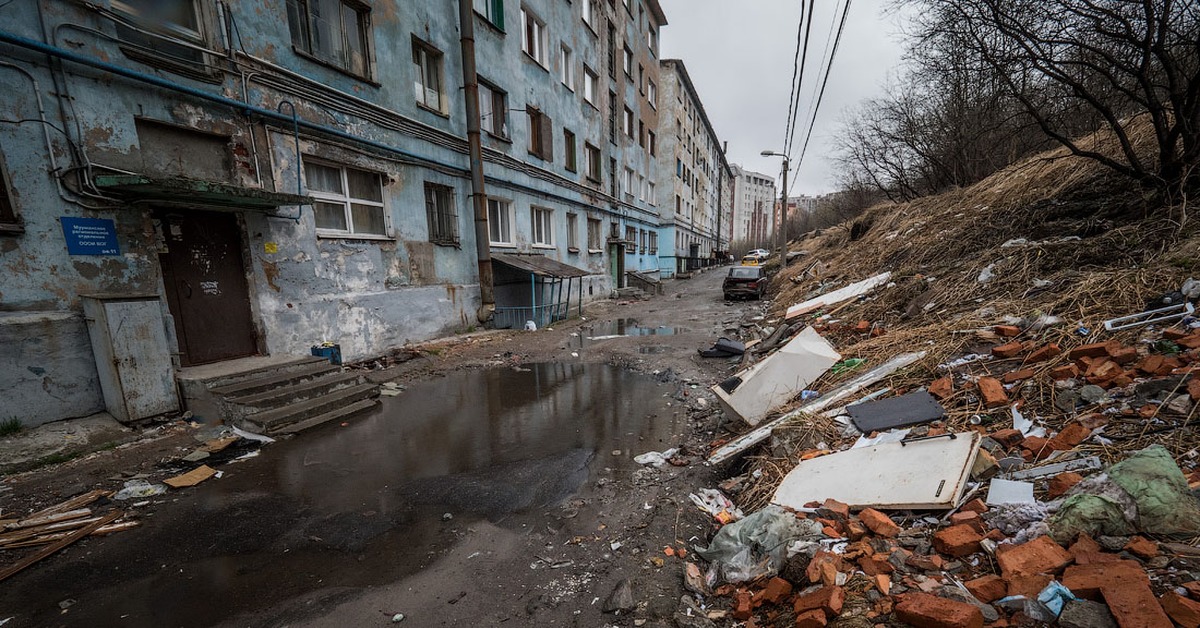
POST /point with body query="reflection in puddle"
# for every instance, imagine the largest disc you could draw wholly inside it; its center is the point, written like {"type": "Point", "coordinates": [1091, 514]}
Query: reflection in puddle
{"type": "Point", "coordinates": [623, 327]}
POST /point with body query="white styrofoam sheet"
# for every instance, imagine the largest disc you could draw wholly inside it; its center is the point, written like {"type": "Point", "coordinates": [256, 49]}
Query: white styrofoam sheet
{"type": "Point", "coordinates": [779, 377]}
{"type": "Point", "coordinates": [924, 474]}
{"type": "Point", "coordinates": [837, 296]}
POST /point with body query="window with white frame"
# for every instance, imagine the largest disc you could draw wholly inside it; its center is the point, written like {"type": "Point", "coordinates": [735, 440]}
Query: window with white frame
{"type": "Point", "coordinates": [627, 183]}
{"type": "Point", "coordinates": [427, 82]}
{"type": "Point", "coordinates": [566, 69]}
{"type": "Point", "coordinates": [652, 93]}
{"type": "Point", "coordinates": [572, 232]}
{"type": "Point", "coordinates": [160, 24]}
{"type": "Point", "coordinates": [652, 40]}
{"type": "Point", "coordinates": [641, 187]}
{"type": "Point", "coordinates": [571, 159]}
{"type": "Point", "coordinates": [533, 36]}
{"type": "Point", "coordinates": [441, 214]}
{"type": "Point", "coordinates": [333, 31]}
{"type": "Point", "coordinates": [542, 226]}
{"type": "Point", "coordinates": [346, 201]}
{"type": "Point", "coordinates": [588, 7]}
{"type": "Point", "coordinates": [592, 166]}
{"type": "Point", "coordinates": [493, 110]}
{"type": "Point", "coordinates": [594, 237]}
{"type": "Point", "coordinates": [628, 123]}
{"type": "Point", "coordinates": [650, 189]}
{"type": "Point", "coordinates": [631, 238]}
{"type": "Point", "coordinates": [500, 221]}
{"type": "Point", "coordinates": [591, 85]}
{"type": "Point", "coordinates": [627, 62]}
{"type": "Point", "coordinates": [492, 10]}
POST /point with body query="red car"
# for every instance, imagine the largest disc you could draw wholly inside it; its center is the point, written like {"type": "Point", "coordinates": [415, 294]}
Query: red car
{"type": "Point", "coordinates": [745, 281]}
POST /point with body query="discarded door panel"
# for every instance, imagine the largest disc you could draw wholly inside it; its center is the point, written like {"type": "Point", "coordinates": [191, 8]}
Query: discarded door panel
{"type": "Point", "coordinates": [781, 376]}
{"type": "Point", "coordinates": [911, 409]}
{"type": "Point", "coordinates": [851, 291]}
{"type": "Point", "coordinates": [930, 473]}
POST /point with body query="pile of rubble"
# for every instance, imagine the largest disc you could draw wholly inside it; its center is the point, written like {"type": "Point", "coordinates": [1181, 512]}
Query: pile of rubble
{"type": "Point", "coordinates": [1024, 482]}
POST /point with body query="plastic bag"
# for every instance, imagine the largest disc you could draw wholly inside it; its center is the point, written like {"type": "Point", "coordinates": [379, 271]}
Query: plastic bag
{"type": "Point", "coordinates": [756, 546]}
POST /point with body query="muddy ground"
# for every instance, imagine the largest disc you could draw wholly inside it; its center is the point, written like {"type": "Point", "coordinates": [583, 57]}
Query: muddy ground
{"type": "Point", "coordinates": [498, 488]}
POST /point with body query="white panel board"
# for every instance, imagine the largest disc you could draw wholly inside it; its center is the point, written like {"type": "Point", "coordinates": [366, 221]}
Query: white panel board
{"type": "Point", "coordinates": [924, 474]}
{"type": "Point", "coordinates": [779, 377]}
{"type": "Point", "coordinates": [837, 296]}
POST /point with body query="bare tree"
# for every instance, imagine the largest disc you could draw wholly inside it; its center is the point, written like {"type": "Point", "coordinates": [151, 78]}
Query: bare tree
{"type": "Point", "coordinates": [1076, 66]}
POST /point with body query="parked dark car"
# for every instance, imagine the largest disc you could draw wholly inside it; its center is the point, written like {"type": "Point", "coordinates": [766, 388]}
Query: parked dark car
{"type": "Point", "coordinates": [745, 281]}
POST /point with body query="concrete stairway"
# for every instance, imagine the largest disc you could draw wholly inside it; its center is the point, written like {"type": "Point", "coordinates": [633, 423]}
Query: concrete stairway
{"type": "Point", "coordinates": [282, 398]}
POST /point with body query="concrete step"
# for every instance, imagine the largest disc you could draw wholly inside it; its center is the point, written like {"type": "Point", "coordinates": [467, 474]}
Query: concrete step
{"type": "Point", "coordinates": [274, 367]}
{"type": "Point", "coordinates": [274, 421]}
{"type": "Point", "coordinates": [285, 395]}
{"type": "Point", "coordinates": [333, 415]}
{"type": "Point", "coordinates": [273, 379]}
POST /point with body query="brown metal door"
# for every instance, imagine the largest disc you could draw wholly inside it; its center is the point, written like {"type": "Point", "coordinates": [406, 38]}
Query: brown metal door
{"type": "Point", "coordinates": [205, 279]}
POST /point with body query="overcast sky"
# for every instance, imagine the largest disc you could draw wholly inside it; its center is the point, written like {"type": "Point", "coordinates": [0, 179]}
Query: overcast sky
{"type": "Point", "coordinates": [739, 54]}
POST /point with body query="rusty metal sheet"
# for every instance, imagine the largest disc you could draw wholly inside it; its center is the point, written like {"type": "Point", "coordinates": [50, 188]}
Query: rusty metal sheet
{"type": "Point", "coordinates": [911, 409]}
{"type": "Point", "coordinates": [539, 265]}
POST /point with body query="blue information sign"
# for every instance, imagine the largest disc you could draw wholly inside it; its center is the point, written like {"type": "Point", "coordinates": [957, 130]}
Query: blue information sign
{"type": "Point", "coordinates": [90, 236]}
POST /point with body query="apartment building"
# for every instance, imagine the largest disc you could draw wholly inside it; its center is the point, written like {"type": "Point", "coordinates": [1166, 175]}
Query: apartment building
{"type": "Point", "coordinates": [754, 203]}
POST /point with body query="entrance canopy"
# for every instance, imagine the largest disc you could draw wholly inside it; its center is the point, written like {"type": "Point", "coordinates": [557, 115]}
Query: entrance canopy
{"type": "Point", "coordinates": [539, 265]}
{"type": "Point", "coordinates": [175, 191]}
{"type": "Point", "coordinates": [540, 298]}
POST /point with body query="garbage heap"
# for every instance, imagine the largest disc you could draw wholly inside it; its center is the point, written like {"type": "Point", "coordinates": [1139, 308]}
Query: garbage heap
{"type": "Point", "coordinates": [1039, 476]}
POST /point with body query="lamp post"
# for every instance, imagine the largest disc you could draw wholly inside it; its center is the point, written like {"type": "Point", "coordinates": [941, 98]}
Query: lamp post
{"type": "Point", "coordinates": [781, 237]}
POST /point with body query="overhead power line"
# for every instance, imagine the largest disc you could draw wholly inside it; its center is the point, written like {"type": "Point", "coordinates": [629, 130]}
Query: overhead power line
{"type": "Point", "coordinates": [824, 82]}
{"type": "Point", "coordinates": [794, 96]}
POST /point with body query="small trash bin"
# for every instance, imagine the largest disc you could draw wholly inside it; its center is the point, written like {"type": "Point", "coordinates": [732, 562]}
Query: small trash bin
{"type": "Point", "coordinates": [330, 352]}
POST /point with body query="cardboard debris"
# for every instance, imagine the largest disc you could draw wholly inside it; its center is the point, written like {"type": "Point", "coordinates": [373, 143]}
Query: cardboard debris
{"type": "Point", "coordinates": [191, 478]}
{"type": "Point", "coordinates": [779, 377]}
{"type": "Point", "coordinates": [928, 473]}
{"type": "Point", "coordinates": [851, 291]}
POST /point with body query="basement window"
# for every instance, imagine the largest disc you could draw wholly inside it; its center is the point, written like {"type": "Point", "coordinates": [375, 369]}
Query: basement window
{"type": "Point", "coordinates": [336, 32]}
{"type": "Point", "coordinates": [347, 202]}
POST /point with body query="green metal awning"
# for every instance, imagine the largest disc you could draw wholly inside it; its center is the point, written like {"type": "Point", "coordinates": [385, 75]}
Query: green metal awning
{"type": "Point", "coordinates": [175, 191]}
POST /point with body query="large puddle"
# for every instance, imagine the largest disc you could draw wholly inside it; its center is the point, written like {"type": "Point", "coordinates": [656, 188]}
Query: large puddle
{"type": "Point", "coordinates": [356, 505]}
{"type": "Point", "coordinates": [620, 328]}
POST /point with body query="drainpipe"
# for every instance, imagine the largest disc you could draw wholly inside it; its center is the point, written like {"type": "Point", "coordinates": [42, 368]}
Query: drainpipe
{"type": "Point", "coordinates": [466, 19]}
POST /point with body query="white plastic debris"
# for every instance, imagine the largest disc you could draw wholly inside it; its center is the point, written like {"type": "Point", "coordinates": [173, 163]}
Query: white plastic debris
{"type": "Point", "coordinates": [139, 488]}
{"type": "Point", "coordinates": [656, 458]}
{"type": "Point", "coordinates": [987, 274]}
{"type": "Point", "coordinates": [530, 326]}
{"type": "Point", "coordinates": [715, 503]}
{"type": "Point", "coordinates": [252, 436]}
{"type": "Point", "coordinates": [1010, 492]}
{"type": "Point", "coordinates": [1025, 426]}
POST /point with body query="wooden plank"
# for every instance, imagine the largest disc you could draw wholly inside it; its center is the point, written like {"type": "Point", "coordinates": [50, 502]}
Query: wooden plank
{"type": "Point", "coordinates": [20, 535]}
{"type": "Point", "coordinates": [33, 522]}
{"type": "Point", "coordinates": [44, 539]}
{"type": "Point", "coordinates": [74, 503]}
{"type": "Point", "coordinates": [60, 545]}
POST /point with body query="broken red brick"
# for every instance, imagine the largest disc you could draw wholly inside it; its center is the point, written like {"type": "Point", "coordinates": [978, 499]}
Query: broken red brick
{"type": "Point", "coordinates": [1028, 585]}
{"type": "Point", "coordinates": [1142, 547]}
{"type": "Point", "coordinates": [811, 619]}
{"type": "Point", "coordinates": [1061, 483]}
{"type": "Point", "coordinates": [1013, 377]}
{"type": "Point", "coordinates": [1008, 438]}
{"type": "Point", "coordinates": [969, 518]}
{"type": "Point", "coordinates": [1192, 341]}
{"type": "Point", "coordinates": [942, 387]}
{"type": "Point", "coordinates": [1071, 435]}
{"type": "Point", "coordinates": [931, 611]}
{"type": "Point", "coordinates": [1171, 333]}
{"type": "Point", "coordinates": [873, 566]}
{"type": "Point", "coordinates": [1088, 581]}
{"type": "Point", "coordinates": [1123, 355]}
{"type": "Point", "coordinates": [932, 562]}
{"type": "Point", "coordinates": [996, 535]}
{"type": "Point", "coordinates": [1010, 350]}
{"type": "Point", "coordinates": [833, 509]}
{"type": "Point", "coordinates": [855, 530]}
{"type": "Point", "coordinates": [1066, 371]}
{"type": "Point", "coordinates": [776, 591]}
{"type": "Point", "coordinates": [957, 541]}
{"type": "Point", "coordinates": [1193, 388]}
{"type": "Point", "coordinates": [879, 523]}
{"type": "Point", "coordinates": [992, 392]}
{"type": "Point", "coordinates": [1193, 589]}
{"type": "Point", "coordinates": [1183, 611]}
{"type": "Point", "coordinates": [1103, 370]}
{"type": "Point", "coordinates": [1043, 353]}
{"type": "Point", "coordinates": [1150, 364]}
{"type": "Point", "coordinates": [987, 589]}
{"type": "Point", "coordinates": [882, 582]}
{"type": "Point", "coordinates": [862, 327]}
{"type": "Point", "coordinates": [823, 568]}
{"type": "Point", "coordinates": [743, 608]}
{"type": "Point", "coordinates": [976, 505]}
{"type": "Point", "coordinates": [1008, 331]}
{"type": "Point", "coordinates": [1094, 350]}
{"type": "Point", "coordinates": [1037, 446]}
{"type": "Point", "coordinates": [827, 598]}
{"type": "Point", "coordinates": [1041, 555]}
{"type": "Point", "coordinates": [1086, 551]}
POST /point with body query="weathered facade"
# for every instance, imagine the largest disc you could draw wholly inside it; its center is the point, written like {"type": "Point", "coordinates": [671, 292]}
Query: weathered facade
{"type": "Point", "coordinates": [694, 175]}
{"type": "Point", "coordinates": [280, 173]}
{"type": "Point", "coordinates": [754, 201]}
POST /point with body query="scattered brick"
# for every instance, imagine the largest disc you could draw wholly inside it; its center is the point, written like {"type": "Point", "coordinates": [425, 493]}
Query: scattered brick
{"type": "Point", "coordinates": [1142, 547]}
{"type": "Point", "coordinates": [811, 619]}
{"type": "Point", "coordinates": [1038, 446]}
{"type": "Point", "coordinates": [1008, 438]}
{"type": "Point", "coordinates": [862, 327]}
{"type": "Point", "coordinates": [833, 509]}
{"type": "Point", "coordinates": [969, 518]}
{"type": "Point", "coordinates": [976, 505]}
{"type": "Point", "coordinates": [1071, 435]}
{"type": "Point", "coordinates": [1175, 334]}
{"type": "Point", "coordinates": [1008, 331]}
{"type": "Point", "coordinates": [993, 392]}
{"type": "Point", "coordinates": [931, 611]}
{"type": "Point", "coordinates": [942, 387]}
{"type": "Point", "coordinates": [823, 568]}
{"type": "Point", "coordinates": [1013, 377]}
{"type": "Point", "coordinates": [1061, 483]}
{"type": "Point", "coordinates": [1066, 371]}
{"type": "Point", "coordinates": [776, 591]}
{"type": "Point", "coordinates": [1043, 353]}
{"type": "Point", "coordinates": [827, 598]}
{"type": "Point", "coordinates": [1041, 555]}
{"type": "Point", "coordinates": [1191, 341]}
{"type": "Point", "coordinates": [932, 562]}
{"type": "Point", "coordinates": [1183, 611]}
{"type": "Point", "coordinates": [882, 582]}
{"type": "Point", "coordinates": [743, 608]}
{"type": "Point", "coordinates": [855, 530]}
{"type": "Point", "coordinates": [1150, 364]}
{"type": "Point", "coordinates": [873, 566]}
{"type": "Point", "coordinates": [1010, 350]}
{"type": "Point", "coordinates": [1193, 589]}
{"type": "Point", "coordinates": [957, 541]}
{"type": "Point", "coordinates": [1124, 355]}
{"type": "Point", "coordinates": [1193, 389]}
{"type": "Point", "coordinates": [987, 589]}
{"type": "Point", "coordinates": [1094, 350]}
{"type": "Point", "coordinates": [879, 523]}
{"type": "Point", "coordinates": [1086, 551]}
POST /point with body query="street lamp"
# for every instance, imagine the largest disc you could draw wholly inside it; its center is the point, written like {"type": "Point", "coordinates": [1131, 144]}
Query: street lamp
{"type": "Point", "coordinates": [782, 235]}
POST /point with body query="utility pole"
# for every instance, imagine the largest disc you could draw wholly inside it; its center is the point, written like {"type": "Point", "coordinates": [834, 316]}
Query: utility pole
{"type": "Point", "coordinates": [783, 222]}
{"type": "Point", "coordinates": [466, 19]}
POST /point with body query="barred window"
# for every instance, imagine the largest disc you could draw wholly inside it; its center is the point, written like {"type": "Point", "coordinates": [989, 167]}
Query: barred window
{"type": "Point", "coordinates": [442, 214]}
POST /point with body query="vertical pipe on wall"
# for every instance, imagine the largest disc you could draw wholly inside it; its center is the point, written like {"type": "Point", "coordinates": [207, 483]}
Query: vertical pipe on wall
{"type": "Point", "coordinates": [466, 18]}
